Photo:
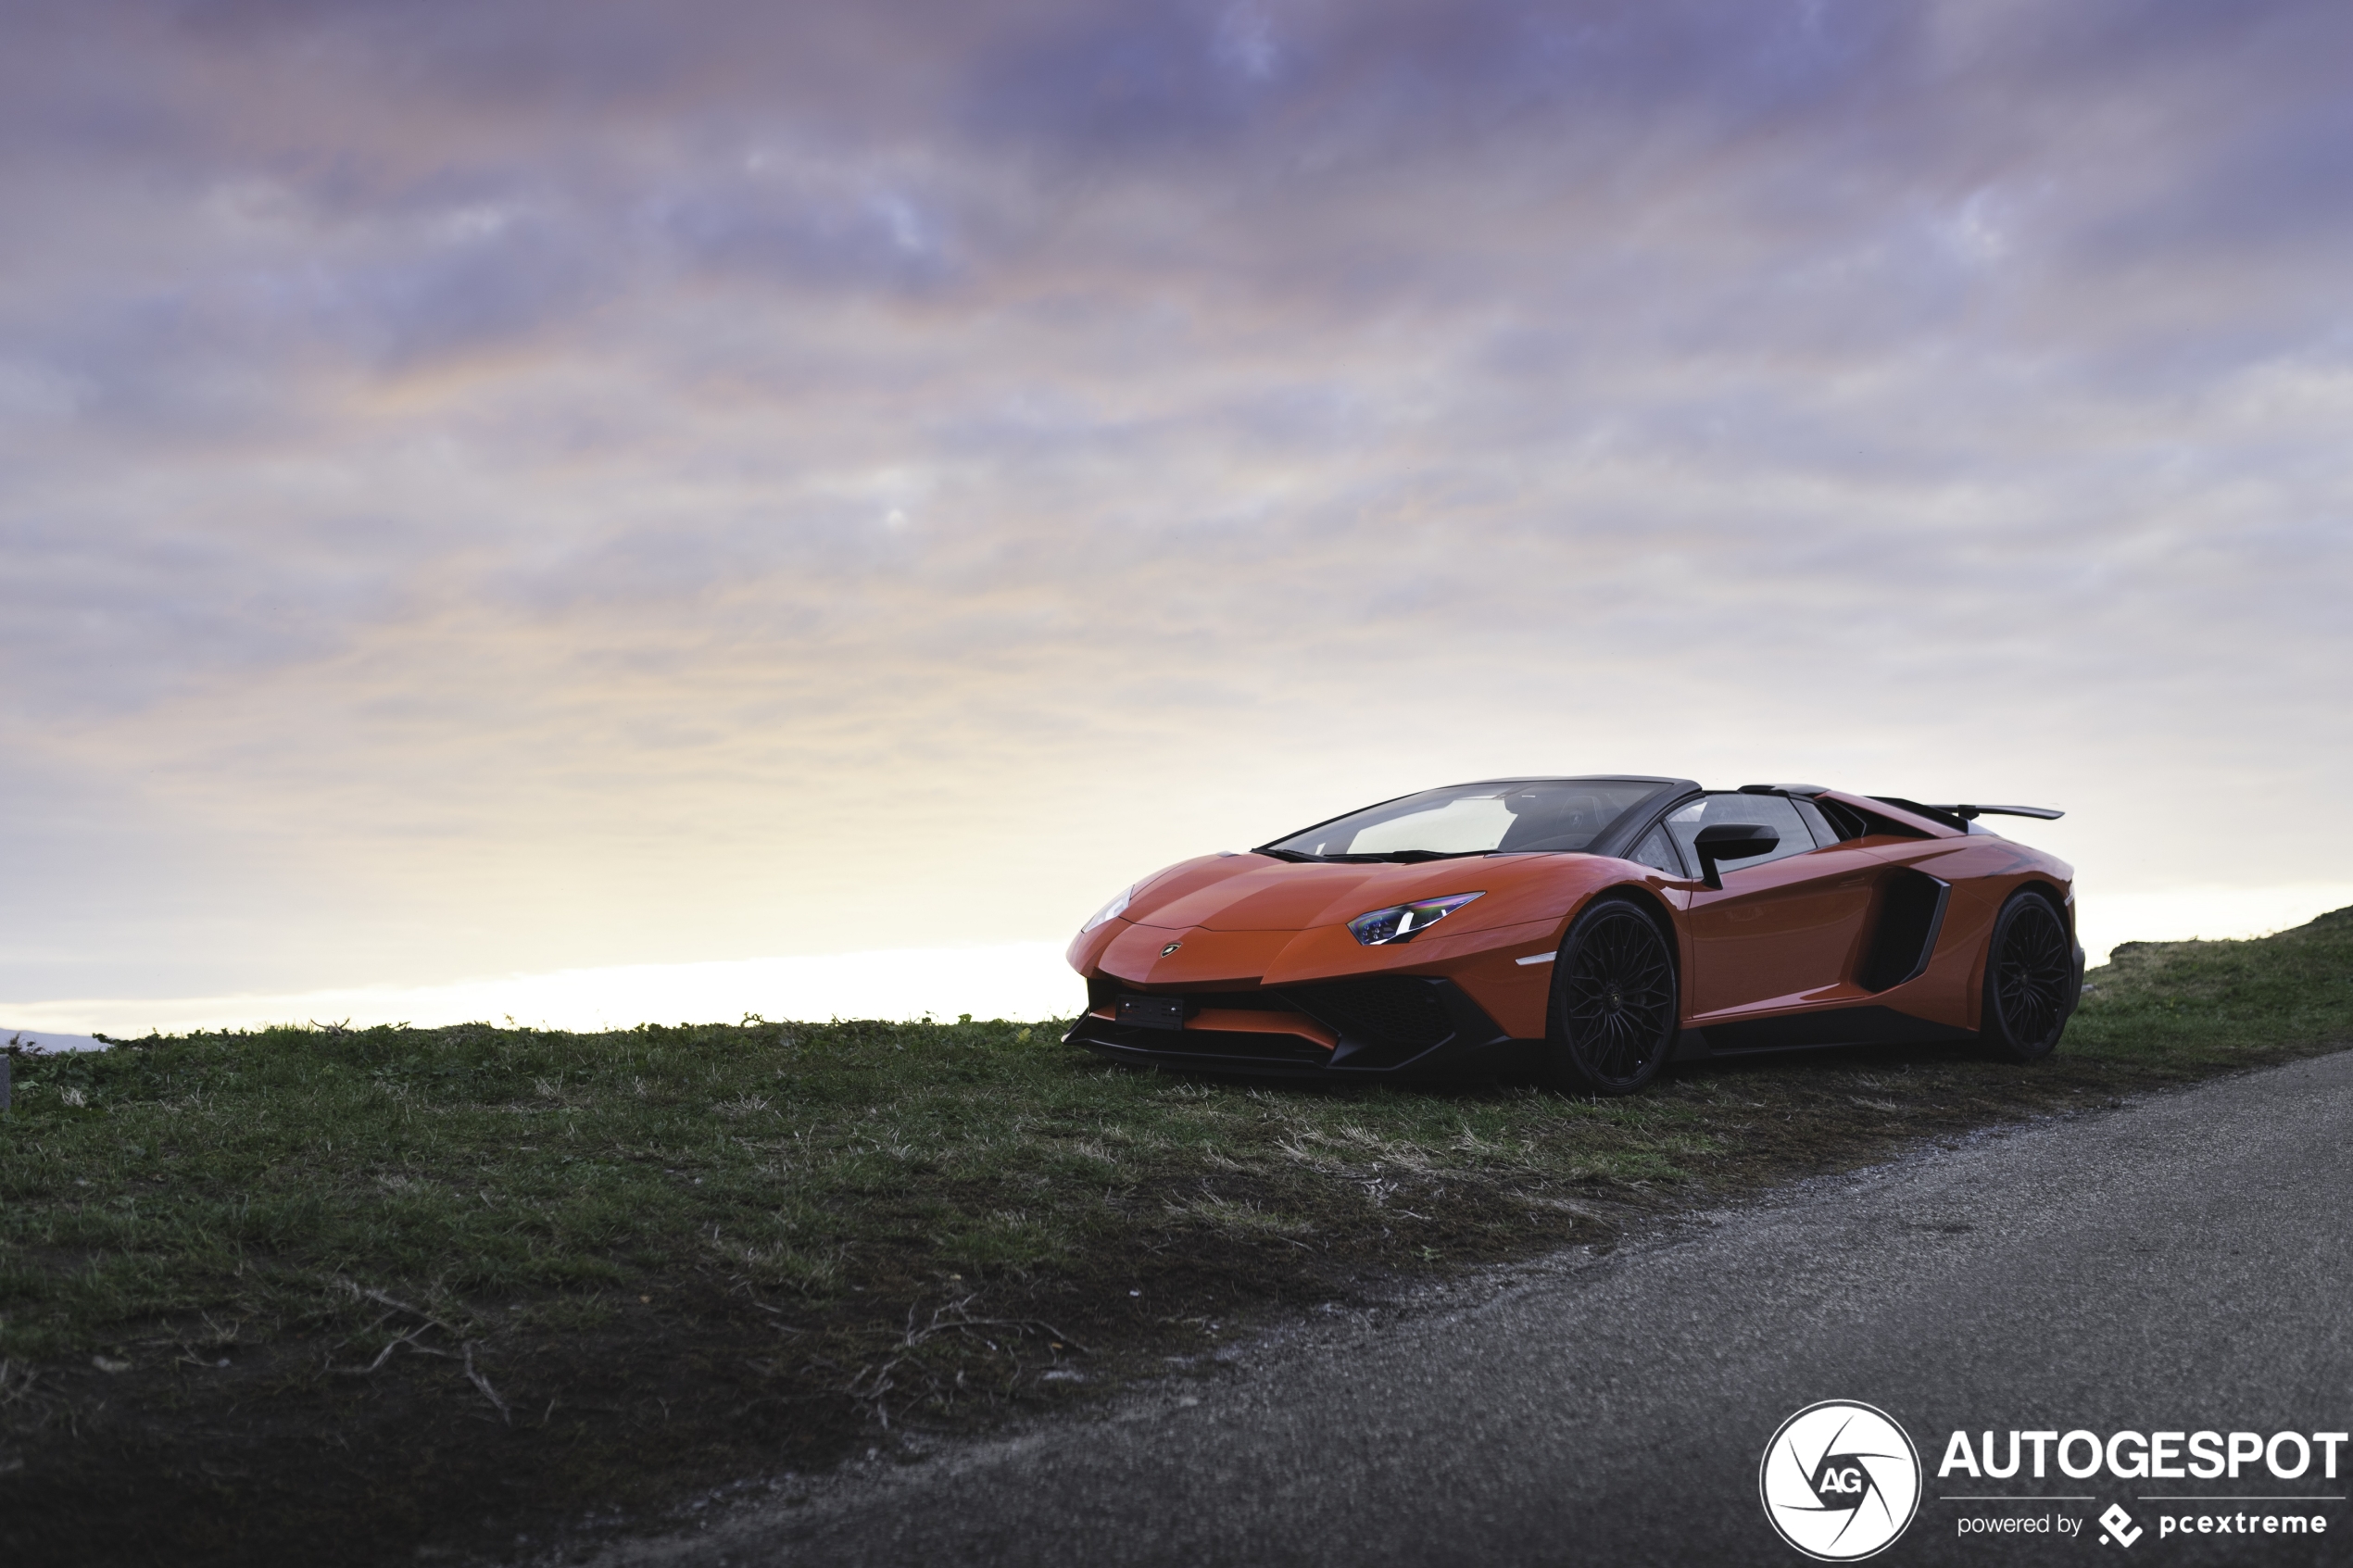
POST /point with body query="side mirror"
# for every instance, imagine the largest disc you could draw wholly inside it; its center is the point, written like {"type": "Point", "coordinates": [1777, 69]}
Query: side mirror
{"type": "Point", "coordinates": [1731, 841]}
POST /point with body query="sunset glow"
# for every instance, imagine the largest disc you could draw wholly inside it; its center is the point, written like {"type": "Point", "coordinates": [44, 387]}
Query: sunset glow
{"type": "Point", "coordinates": [530, 489]}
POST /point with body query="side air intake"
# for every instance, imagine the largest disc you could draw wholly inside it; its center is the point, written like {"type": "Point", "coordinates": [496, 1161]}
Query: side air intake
{"type": "Point", "coordinates": [1911, 911]}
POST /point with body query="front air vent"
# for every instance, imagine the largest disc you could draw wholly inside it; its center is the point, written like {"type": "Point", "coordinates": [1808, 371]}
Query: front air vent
{"type": "Point", "coordinates": [1911, 911]}
{"type": "Point", "coordinates": [1391, 1011]}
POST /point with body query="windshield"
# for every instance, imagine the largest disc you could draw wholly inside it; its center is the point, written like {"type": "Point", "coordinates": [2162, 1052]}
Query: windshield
{"type": "Point", "coordinates": [1501, 815]}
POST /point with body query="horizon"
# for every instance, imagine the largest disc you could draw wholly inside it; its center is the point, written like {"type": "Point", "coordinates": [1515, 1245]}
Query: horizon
{"type": "Point", "coordinates": [1026, 982]}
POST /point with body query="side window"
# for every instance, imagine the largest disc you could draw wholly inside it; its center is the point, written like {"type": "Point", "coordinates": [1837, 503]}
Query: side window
{"type": "Point", "coordinates": [1847, 824]}
{"type": "Point", "coordinates": [1766, 811]}
{"type": "Point", "coordinates": [1657, 851]}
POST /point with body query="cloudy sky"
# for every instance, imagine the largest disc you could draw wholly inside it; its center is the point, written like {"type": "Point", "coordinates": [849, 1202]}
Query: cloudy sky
{"type": "Point", "coordinates": [534, 486]}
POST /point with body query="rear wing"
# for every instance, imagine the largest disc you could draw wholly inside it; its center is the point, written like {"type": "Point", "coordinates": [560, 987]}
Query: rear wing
{"type": "Point", "coordinates": [1959, 815]}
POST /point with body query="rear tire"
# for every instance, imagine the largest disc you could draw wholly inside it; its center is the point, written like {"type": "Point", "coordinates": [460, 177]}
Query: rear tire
{"type": "Point", "coordinates": [1613, 1001]}
{"type": "Point", "coordinates": [2030, 979]}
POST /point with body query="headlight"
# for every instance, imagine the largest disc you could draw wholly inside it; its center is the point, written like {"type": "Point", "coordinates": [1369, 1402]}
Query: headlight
{"type": "Point", "coordinates": [1115, 907]}
{"type": "Point", "coordinates": [1402, 922]}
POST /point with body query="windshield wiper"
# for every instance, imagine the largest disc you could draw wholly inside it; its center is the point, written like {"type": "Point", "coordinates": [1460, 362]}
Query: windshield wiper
{"type": "Point", "coordinates": [1407, 857]}
{"type": "Point", "coordinates": [1387, 857]}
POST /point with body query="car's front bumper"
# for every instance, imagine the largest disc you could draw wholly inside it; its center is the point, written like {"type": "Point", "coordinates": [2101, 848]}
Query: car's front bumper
{"type": "Point", "coordinates": [1382, 1025]}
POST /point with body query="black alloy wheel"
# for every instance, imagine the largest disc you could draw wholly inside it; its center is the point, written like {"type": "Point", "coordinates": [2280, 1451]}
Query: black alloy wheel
{"type": "Point", "coordinates": [2030, 979]}
{"type": "Point", "coordinates": [1614, 1012]}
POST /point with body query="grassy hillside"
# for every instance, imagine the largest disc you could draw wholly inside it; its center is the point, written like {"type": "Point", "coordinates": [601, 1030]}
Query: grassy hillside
{"type": "Point", "coordinates": [445, 1288]}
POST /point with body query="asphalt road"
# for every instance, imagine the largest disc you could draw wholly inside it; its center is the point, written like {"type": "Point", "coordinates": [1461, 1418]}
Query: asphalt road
{"type": "Point", "coordinates": [2179, 1264]}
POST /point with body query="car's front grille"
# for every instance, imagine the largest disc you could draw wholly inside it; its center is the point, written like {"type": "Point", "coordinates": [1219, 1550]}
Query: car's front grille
{"type": "Point", "coordinates": [1104, 991]}
{"type": "Point", "coordinates": [1373, 1024]}
{"type": "Point", "coordinates": [1393, 1011]}
{"type": "Point", "coordinates": [1247, 1002]}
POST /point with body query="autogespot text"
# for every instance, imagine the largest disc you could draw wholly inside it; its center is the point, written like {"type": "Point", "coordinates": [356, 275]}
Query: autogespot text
{"type": "Point", "coordinates": [2152, 1458]}
{"type": "Point", "coordinates": [2135, 1456]}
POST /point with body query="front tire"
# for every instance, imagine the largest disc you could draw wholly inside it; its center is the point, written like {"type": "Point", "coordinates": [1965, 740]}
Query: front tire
{"type": "Point", "coordinates": [2030, 975]}
{"type": "Point", "coordinates": [1613, 1001]}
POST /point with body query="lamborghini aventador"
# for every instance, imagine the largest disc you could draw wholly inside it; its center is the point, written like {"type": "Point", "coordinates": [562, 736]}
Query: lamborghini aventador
{"type": "Point", "coordinates": [1601, 926]}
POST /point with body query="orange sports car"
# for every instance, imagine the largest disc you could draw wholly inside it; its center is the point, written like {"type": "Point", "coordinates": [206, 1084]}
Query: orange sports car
{"type": "Point", "coordinates": [1603, 926]}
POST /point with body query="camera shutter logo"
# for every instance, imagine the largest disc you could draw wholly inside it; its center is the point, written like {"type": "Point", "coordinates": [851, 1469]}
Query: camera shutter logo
{"type": "Point", "coordinates": [1840, 1481]}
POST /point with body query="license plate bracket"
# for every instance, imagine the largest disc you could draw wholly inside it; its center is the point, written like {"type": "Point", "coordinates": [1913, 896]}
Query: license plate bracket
{"type": "Point", "coordinates": [1152, 1012]}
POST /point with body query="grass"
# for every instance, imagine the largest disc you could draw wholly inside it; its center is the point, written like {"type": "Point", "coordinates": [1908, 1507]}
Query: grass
{"type": "Point", "coordinates": [445, 1290]}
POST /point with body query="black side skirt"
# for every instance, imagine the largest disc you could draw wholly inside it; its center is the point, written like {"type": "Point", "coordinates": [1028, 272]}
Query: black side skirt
{"type": "Point", "coordinates": [1869, 1025]}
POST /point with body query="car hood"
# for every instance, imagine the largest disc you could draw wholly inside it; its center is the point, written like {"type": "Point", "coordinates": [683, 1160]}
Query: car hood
{"type": "Point", "coordinates": [1258, 893]}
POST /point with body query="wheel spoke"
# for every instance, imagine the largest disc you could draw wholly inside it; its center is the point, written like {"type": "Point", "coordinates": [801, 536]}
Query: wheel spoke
{"type": "Point", "coordinates": [1617, 996]}
{"type": "Point", "coordinates": [2031, 974]}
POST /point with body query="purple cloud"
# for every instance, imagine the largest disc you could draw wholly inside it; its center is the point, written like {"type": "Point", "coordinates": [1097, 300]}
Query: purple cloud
{"type": "Point", "coordinates": [440, 438]}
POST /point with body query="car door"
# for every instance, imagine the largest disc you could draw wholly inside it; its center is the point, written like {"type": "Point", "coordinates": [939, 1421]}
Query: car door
{"type": "Point", "coordinates": [1784, 927]}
